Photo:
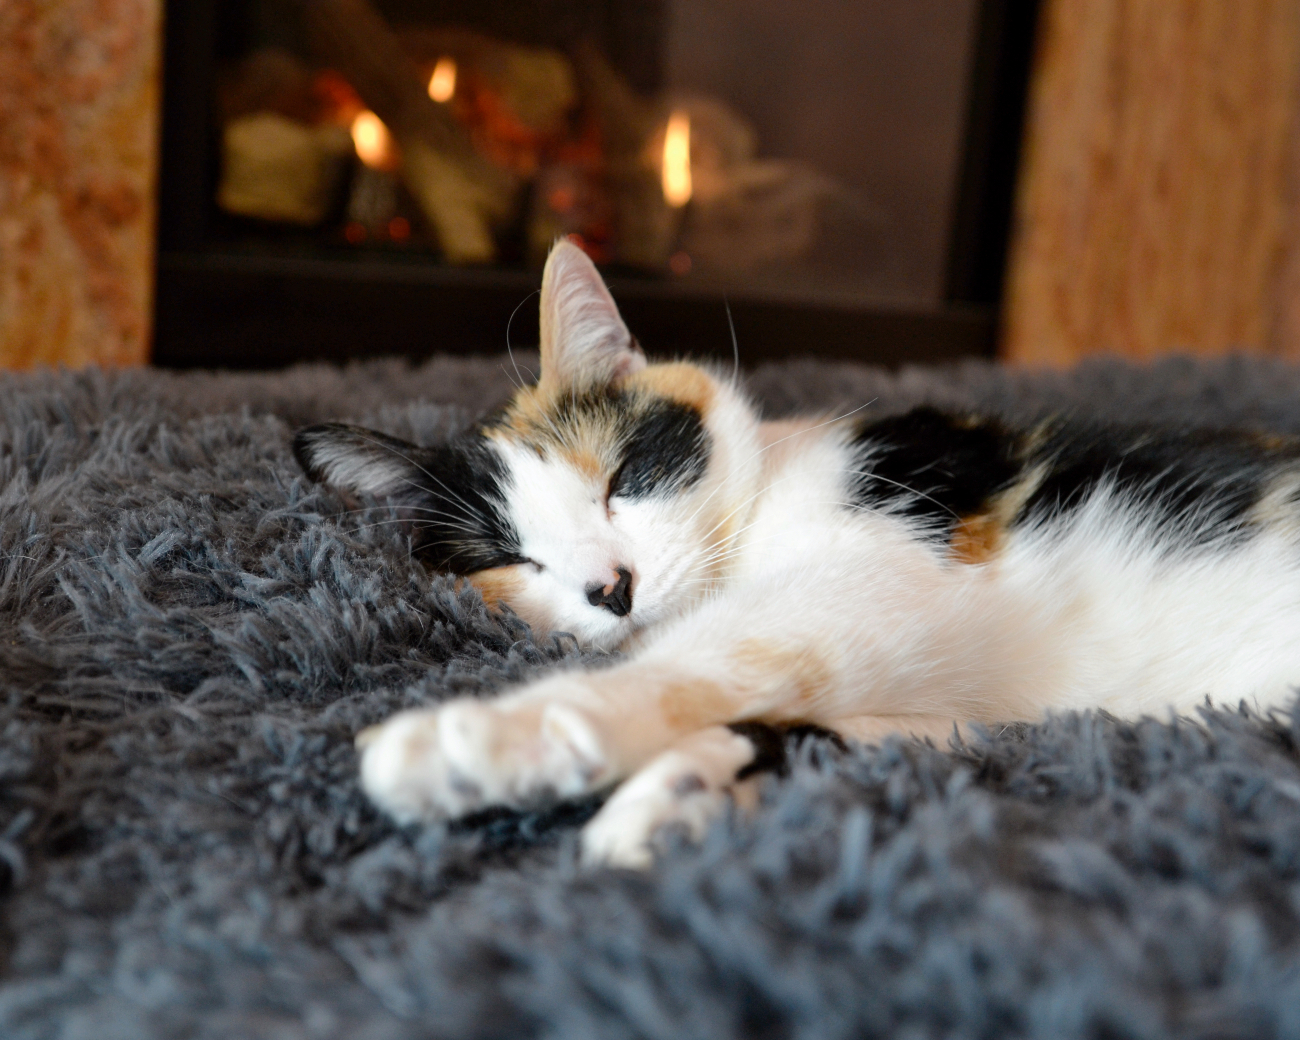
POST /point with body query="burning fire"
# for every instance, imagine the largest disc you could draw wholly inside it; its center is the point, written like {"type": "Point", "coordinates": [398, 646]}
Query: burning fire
{"type": "Point", "coordinates": [442, 84]}
{"type": "Point", "coordinates": [374, 144]}
{"type": "Point", "coordinates": [677, 160]}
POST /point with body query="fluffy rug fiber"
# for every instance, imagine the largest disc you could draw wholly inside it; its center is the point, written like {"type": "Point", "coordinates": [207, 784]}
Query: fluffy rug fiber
{"type": "Point", "coordinates": [191, 637]}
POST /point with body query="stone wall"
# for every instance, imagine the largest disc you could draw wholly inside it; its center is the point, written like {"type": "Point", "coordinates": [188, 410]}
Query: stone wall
{"type": "Point", "coordinates": [79, 89]}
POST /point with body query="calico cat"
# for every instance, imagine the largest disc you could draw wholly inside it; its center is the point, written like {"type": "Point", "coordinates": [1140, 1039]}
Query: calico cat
{"type": "Point", "coordinates": [869, 576]}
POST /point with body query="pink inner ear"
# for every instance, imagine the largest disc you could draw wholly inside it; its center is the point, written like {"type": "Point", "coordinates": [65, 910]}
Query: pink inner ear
{"type": "Point", "coordinates": [584, 341]}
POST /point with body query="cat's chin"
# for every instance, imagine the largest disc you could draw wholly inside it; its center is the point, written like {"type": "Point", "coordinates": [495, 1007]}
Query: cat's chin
{"type": "Point", "coordinates": [612, 641]}
{"type": "Point", "coordinates": [622, 638]}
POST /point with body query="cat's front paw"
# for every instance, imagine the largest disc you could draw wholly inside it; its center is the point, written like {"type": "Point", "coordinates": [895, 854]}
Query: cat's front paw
{"type": "Point", "coordinates": [470, 754]}
{"type": "Point", "coordinates": [683, 790]}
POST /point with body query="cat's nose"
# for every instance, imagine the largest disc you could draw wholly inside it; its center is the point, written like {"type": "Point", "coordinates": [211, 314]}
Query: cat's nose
{"type": "Point", "coordinates": [615, 597]}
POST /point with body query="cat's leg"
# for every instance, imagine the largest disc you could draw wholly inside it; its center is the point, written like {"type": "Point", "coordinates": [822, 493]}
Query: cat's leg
{"type": "Point", "coordinates": [685, 787]}
{"type": "Point", "coordinates": [691, 784]}
{"type": "Point", "coordinates": [833, 638]}
{"type": "Point", "coordinates": [561, 737]}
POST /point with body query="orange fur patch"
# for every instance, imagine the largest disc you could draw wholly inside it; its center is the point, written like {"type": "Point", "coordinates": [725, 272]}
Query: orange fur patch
{"type": "Point", "coordinates": [497, 585]}
{"type": "Point", "coordinates": [525, 412]}
{"type": "Point", "coordinates": [678, 380]}
{"type": "Point", "coordinates": [587, 463]}
{"type": "Point", "coordinates": [977, 538]}
{"type": "Point", "coordinates": [799, 677]}
{"type": "Point", "coordinates": [688, 705]}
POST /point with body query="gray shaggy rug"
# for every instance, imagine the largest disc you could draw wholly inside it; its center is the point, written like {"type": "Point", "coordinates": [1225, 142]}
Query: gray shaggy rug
{"type": "Point", "coordinates": [191, 637]}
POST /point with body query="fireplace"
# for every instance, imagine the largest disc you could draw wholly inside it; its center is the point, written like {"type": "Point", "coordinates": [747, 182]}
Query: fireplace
{"type": "Point", "coordinates": [343, 178]}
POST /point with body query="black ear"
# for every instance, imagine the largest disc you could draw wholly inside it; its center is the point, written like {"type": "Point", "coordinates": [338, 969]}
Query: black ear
{"type": "Point", "coordinates": [362, 462]}
{"type": "Point", "coordinates": [450, 495]}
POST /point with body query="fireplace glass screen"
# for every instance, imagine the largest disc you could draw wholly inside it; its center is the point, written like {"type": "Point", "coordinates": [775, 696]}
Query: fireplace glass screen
{"type": "Point", "coordinates": [806, 150]}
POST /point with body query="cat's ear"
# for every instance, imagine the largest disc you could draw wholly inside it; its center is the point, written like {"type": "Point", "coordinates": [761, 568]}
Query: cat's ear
{"type": "Point", "coordinates": [360, 462]}
{"type": "Point", "coordinates": [584, 341]}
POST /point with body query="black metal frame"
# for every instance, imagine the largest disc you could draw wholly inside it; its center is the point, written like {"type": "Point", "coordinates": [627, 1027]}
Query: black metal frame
{"type": "Point", "coordinates": [221, 307]}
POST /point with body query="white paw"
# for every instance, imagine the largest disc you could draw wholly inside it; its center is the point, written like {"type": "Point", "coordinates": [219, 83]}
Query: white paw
{"type": "Point", "coordinates": [469, 754]}
{"type": "Point", "coordinates": [671, 792]}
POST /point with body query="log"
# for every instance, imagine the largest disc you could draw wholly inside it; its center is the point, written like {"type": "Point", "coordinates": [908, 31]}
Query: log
{"type": "Point", "coordinates": [645, 226]}
{"type": "Point", "coordinates": [462, 194]}
{"type": "Point", "coordinates": [275, 168]}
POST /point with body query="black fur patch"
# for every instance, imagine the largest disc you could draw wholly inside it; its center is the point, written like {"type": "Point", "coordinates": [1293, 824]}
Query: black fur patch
{"type": "Point", "coordinates": [451, 494]}
{"type": "Point", "coordinates": [769, 748]}
{"type": "Point", "coordinates": [1198, 485]}
{"type": "Point", "coordinates": [471, 531]}
{"type": "Point", "coordinates": [666, 450]}
{"type": "Point", "coordinates": [932, 467]}
{"type": "Point", "coordinates": [772, 743]}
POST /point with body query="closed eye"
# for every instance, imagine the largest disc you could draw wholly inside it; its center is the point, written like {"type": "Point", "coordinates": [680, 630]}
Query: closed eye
{"type": "Point", "coordinates": [537, 567]}
{"type": "Point", "coordinates": [614, 481]}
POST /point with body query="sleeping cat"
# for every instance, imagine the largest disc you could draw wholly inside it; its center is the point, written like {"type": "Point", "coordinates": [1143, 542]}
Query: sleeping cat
{"type": "Point", "coordinates": [869, 576]}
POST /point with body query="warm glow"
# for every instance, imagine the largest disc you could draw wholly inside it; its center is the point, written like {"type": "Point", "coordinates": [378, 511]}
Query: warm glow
{"type": "Point", "coordinates": [677, 160]}
{"type": "Point", "coordinates": [373, 142]}
{"type": "Point", "coordinates": [442, 84]}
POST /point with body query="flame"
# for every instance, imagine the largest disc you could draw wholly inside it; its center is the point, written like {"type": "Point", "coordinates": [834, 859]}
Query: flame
{"type": "Point", "coordinates": [442, 84]}
{"type": "Point", "coordinates": [373, 142]}
{"type": "Point", "coordinates": [677, 160]}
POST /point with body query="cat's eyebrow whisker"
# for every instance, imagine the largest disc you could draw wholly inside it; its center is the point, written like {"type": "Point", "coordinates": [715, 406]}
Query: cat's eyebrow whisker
{"type": "Point", "coordinates": [390, 505]}
{"type": "Point", "coordinates": [447, 520]}
{"type": "Point", "coordinates": [420, 525]}
{"type": "Point", "coordinates": [446, 495]}
{"type": "Point", "coordinates": [745, 502]}
{"type": "Point", "coordinates": [402, 455]}
{"type": "Point", "coordinates": [377, 523]}
{"type": "Point", "coordinates": [870, 475]}
{"type": "Point", "coordinates": [444, 517]}
{"type": "Point", "coordinates": [470, 511]}
{"type": "Point", "coordinates": [509, 349]}
{"type": "Point", "coordinates": [828, 422]}
{"type": "Point", "coordinates": [735, 343]}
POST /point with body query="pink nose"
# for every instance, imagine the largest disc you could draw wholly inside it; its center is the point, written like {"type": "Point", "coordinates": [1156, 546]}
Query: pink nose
{"type": "Point", "coordinates": [615, 597]}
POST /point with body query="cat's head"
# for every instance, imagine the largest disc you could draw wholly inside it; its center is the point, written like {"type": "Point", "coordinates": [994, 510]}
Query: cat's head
{"type": "Point", "coordinates": [598, 502]}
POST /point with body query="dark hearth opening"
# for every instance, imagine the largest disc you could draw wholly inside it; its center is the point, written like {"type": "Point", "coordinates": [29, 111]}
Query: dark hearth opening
{"type": "Point", "coordinates": [351, 177]}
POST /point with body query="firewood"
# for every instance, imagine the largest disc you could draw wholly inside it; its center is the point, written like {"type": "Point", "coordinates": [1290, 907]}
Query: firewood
{"type": "Point", "coordinates": [645, 226]}
{"type": "Point", "coordinates": [274, 168]}
{"type": "Point", "coordinates": [460, 193]}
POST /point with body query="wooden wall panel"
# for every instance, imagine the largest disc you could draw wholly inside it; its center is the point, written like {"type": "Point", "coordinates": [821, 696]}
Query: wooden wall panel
{"type": "Point", "coordinates": [1154, 211]}
{"type": "Point", "coordinates": [78, 143]}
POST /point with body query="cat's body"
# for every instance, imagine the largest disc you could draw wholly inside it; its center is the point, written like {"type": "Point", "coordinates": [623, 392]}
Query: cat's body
{"type": "Point", "coordinates": [864, 575]}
